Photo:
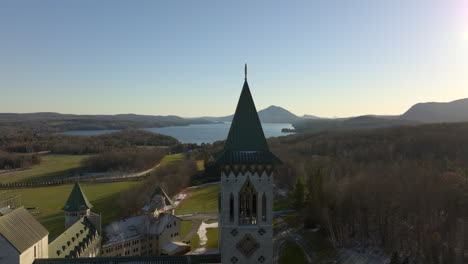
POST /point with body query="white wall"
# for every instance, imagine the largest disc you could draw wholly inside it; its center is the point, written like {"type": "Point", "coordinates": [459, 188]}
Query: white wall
{"type": "Point", "coordinates": [165, 236]}
{"type": "Point", "coordinates": [42, 251]}
{"type": "Point", "coordinates": [8, 254]}
{"type": "Point", "coordinates": [230, 183]}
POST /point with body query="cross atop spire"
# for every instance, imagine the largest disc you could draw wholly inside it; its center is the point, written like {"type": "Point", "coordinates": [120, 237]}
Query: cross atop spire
{"type": "Point", "coordinates": [245, 71]}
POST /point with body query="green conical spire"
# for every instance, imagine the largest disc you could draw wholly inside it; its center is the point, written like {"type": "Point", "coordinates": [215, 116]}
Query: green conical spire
{"type": "Point", "coordinates": [246, 133]}
{"type": "Point", "coordinates": [77, 201]}
{"type": "Point", "coordinates": [246, 143]}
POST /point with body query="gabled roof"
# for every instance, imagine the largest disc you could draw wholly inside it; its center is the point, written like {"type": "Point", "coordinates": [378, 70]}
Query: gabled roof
{"type": "Point", "coordinates": [155, 203]}
{"type": "Point", "coordinates": [79, 237]}
{"type": "Point", "coordinates": [160, 191]}
{"type": "Point", "coordinates": [77, 201]}
{"type": "Point", "coordinates": [21, 229]}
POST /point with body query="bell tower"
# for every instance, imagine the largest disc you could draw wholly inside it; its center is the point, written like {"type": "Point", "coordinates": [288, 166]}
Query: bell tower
{"type": "Point", "coordinates": [246, 198]}
{"type": "Point", "coordinates": [76, 207]}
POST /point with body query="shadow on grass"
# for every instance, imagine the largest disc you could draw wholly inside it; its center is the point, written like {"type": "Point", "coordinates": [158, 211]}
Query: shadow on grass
{"type": "Point", "coordinates": [51, 176]}
{"type": "Point", "coordinates": [108, 207]}
{"type": "Point", "coordinates": [54, 223]}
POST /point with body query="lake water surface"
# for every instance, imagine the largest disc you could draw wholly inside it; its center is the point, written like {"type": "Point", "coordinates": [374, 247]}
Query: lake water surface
{"type": "Point", "coordinates": [205, 133]}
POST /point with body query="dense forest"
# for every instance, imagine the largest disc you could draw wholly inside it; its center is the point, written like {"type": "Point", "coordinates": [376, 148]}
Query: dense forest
{"type": "Point", "coordinates": [54, 122]}
{"type": "Point", "coordinates": [124, 160]}
{"type": "Point", "coordinates": [399, 188]}
{"type": "Point", "coordinates": [19, 150]}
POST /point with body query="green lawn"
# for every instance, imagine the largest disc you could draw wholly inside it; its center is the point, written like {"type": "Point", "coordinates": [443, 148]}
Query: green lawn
{"type": "Point", "coordinates": [292, 253]}
{"type": "Point", "coordinates": [50, 201]}
{"type": "Point", "coordinates": [195, 242]}
{"type": "Point", "coordinates": [204, 199]}
{"type": "Point", "coordinates": [186, 225]}
{"type": "Point", "coordinates": [52, 167]}
{"type": "Point", "coordinates": [200, 165]}
{"type": "Point", "coordinates": [212, 235]}
{"type": "Point", "coordinates": [168, 159]}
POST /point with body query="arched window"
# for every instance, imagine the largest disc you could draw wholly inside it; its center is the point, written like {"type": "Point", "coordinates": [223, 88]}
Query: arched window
{"type": "Point", "coordinates": [231, 208]}
{"type": "Point", "coordinates": [264, 207]}
{"type": "Point", "coordinates": [247, 204]}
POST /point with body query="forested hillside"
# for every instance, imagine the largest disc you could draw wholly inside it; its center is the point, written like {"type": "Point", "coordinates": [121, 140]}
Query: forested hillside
{"type": "Point", "coordinates": [400, 188]}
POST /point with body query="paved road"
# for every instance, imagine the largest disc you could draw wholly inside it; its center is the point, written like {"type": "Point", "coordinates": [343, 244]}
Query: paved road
{"type": "Point", "coordinates": [197, 219]}
{"type": "Point", "coordinates": [199, 216]}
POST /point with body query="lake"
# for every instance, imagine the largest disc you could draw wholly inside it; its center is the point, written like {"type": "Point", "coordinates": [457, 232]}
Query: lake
{"type": "Point", "coordinates": [204, 133]}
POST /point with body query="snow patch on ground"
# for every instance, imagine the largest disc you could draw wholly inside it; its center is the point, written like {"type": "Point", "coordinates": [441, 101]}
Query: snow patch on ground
{"type": "Point", "coordinates": [202, 232]}
{"type": "Point", "coordinates": [179, 198]}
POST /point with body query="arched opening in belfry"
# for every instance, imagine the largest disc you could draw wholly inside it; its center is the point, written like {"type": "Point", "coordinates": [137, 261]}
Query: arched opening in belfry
{"type": "Point", "coordinates": [231, 208]}
{"type": "Point", "coordinates": [248, 204]}
{"type": "Point", "coordinates": [264, 207]}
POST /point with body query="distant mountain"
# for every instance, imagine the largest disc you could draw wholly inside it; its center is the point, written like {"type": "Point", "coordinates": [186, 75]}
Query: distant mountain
{"type": "Point", "coordinates": [353, 123]}
{"type": "Point", "coordinates": [455, 111]}
{"type": "Point", "coordinates": [271, 114]}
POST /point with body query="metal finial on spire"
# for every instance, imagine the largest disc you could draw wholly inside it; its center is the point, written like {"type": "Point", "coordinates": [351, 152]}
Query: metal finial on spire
{"type": "Point", "coordinates": [245, 71]}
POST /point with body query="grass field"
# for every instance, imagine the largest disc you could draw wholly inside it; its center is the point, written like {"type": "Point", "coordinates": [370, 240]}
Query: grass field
{"type": "Point", "coordinates": [292, 253]}
{"type": "Point", "coordinates": [50, 201]}
{"type": "Point", "coordinates": [200, 165]}
{"type": "Point", "coordinates": [168, 159]}
{"type": "Point", "coordinates": [204, 199]}
{"type": "Point", "coordinates": [186, 225]}
{"type": "Point", "coordinates": [212, 235]}
{"type": "Point", "coordinates": [52, 167]}
{"type": "Point", "coordinates": [195, 242]}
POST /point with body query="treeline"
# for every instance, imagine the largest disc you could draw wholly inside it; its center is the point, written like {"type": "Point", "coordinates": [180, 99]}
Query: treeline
{"type": "Point", "coordinates": [124, 160]}
{"type": "Point", "coordinates": [55, 122]}
{"type": "Point", "coordinates": [401, 188]}
{"type": "Point", "coordinates": [26, 142]}
{"type": "Point", "coordinates": [172, 178]}
{"type": "Point", "coordinates": [10, 161]}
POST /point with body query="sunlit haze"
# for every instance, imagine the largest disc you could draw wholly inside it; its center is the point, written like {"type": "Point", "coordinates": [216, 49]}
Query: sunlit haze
{"type": "Point", "coordinates": [324, 58]}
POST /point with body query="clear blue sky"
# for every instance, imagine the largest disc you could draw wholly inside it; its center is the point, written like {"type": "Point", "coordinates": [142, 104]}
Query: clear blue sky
{"type": "Point", "coordinates": [320, 57]}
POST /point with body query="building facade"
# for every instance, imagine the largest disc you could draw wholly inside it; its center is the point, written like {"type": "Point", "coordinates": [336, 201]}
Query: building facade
{"type": "Point", "coordinates": [246, 198]}
{"type": "Point", "coordinates": [146, 234]}
{"type": "Point", "coordinates": [81, 240]}
{"type": "Point", "coordinates": [22, 238]}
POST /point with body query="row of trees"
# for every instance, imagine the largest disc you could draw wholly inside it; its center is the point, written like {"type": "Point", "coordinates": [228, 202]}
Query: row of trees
{"type": "Point", "coordinates": [27, 142]}
{"type": "Point", "coordinates": [14, 161]}
{"type": "Point", "coordinates": [401, 189]}
{"type": "Point", "coordinates": [124, 160]}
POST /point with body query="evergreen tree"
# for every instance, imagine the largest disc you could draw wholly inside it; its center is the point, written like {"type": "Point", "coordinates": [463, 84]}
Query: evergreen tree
{"type": "Point", "coordinates": [298, 195]}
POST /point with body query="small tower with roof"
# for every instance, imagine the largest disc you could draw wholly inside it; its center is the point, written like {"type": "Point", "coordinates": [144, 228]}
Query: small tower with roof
{"type": "Point", "coordinates": [246, 198]}
{"type": "Point", "coordinates": [76, 207]}
{"type": "Point", "coordinates": [159, 203]}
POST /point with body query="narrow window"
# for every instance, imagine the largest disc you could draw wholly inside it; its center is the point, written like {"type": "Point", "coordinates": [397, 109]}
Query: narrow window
{"type": "Point", "coordinates": [231, 208]}
{"type": "Point", "coordinates": [264, 207]}
{"type": "Point", "coordinates": [247, 206]}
